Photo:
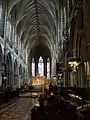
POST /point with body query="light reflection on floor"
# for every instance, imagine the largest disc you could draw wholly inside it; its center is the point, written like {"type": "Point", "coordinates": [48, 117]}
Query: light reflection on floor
{"type": "Point", "coordinates": [21, 110]}
{"type": "Point", "coordinates": [31, 94]}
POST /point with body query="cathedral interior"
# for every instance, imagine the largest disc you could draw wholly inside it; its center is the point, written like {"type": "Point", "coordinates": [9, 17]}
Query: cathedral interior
{"type": "Point", "coordinates": [46, 40]}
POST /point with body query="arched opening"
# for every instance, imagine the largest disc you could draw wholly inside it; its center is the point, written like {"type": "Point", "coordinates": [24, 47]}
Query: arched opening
{"type": "Point", "coordinates": [9, 70]}
{"type": "Point", "coordinates": [41, 66]}
{"type": "Point", "coordinates": [25, 81]}
{"type": "Point", "coordinates": [23, 72]}
{"type": "Point", "coordinates": [15, 73]}
{"type": "Point", "coordinates": [20, 70]}
{"type": "Point", "coordinates": [20, 75]}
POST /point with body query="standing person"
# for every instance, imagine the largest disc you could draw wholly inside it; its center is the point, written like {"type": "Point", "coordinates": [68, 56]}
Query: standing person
{"type": "Point", "coordinates": [51, 88]}
{"type": "Point", "coordinates": [41, 102]}
{"type": "Point", "coordinates": [3, 81]}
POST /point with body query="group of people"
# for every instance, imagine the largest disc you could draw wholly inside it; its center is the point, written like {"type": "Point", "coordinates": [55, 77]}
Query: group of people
{"type": "Point", "coordinates": [54, 107]}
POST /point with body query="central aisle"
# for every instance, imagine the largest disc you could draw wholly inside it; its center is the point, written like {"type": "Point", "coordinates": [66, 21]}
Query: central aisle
{"type": "Point", "coordinates": [19, 110]}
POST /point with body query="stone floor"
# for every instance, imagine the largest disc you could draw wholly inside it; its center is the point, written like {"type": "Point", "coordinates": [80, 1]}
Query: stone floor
{"type": "Point", "coordinates": [30, 94]}
{"type": "Point", "coordinates": [19, 110]}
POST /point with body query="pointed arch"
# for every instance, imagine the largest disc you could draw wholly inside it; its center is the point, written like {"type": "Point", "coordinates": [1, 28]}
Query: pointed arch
{"type": "Point", "coordinates": [9, 69]}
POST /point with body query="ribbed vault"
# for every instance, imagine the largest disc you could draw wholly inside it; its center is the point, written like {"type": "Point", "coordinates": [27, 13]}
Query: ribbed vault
{"type": "Point", "coordinates": [40, 50]}
{"type": "Point", "coordinates": [35, 21]}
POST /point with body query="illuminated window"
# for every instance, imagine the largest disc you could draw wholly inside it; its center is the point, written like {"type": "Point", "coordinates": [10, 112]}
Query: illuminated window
{"type": "Point", "coordinates": [33, 67]}
{"type": "Point", "coordinates": [41, 66]}
{"type": "Point", "coordinates": [48, 68]}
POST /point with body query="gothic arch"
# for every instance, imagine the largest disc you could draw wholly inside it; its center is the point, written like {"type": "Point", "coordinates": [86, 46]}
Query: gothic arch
{"type": "Point", "coordinates": [23, 72]}
{"type": "Point", "coordinates": [15, 72]}
{"type": "Point", "coordinates": [9, 68]}
{"type": "Point", "coordinates": [15, 67]}
{"type": "Point", "coordinates": [20, 70]}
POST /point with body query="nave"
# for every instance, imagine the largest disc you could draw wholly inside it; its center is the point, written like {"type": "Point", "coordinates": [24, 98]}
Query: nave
{"type": "Point", "coordinates": [20, 109]}
{"type": "Point", "coordinates": [44, 42]}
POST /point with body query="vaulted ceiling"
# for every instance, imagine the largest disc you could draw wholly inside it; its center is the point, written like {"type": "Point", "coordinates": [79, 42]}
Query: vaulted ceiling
{"type": "Point", "coordinates": [40, 50]}
{"type": "Point", "coordinates": [35, 21]}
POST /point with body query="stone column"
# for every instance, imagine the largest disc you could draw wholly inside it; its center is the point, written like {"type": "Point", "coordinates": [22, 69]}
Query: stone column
{"type": "Point", "coordinates": [1, 69]}
{"type": "Point", "coordinates": [50, 68]}
{"type": "Point", "coordinates": [45, 67]}
{"type": "Point", "coordinates": [36, 66]}
{"type": "Point", "coordinates": [30, 67]}
{"type": "Point", "coordinates": [66, 70]}
{"type": "Point", "coordinates": [83, 78]}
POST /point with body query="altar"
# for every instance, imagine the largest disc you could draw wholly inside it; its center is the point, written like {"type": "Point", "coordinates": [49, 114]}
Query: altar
{"type": "Point", "coordinates": [39, 82]}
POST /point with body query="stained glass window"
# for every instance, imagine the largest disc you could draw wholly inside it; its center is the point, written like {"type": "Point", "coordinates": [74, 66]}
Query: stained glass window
{"type": "Point", "coordinates": [48, 68]}
{"type": "Point", "coordinates": [41, 66]}
{"type": "Point", "coordinates": [33, 67]}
